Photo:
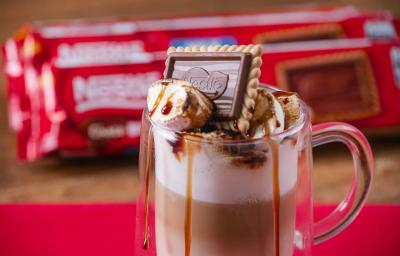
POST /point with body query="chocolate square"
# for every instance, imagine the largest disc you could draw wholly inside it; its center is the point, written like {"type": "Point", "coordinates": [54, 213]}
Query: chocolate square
{"type": "Point", "coordinates": [337, 86]}
{"type": "Point", "coordinates": [222, 76]}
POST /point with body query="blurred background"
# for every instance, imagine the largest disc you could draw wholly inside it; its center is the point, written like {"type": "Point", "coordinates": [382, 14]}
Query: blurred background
{"type": "Point", "coordinates": [116, 179]}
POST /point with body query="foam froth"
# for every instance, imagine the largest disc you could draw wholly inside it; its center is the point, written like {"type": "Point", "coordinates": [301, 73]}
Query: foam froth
{"type": "Point", "coordinates": [217, 179]}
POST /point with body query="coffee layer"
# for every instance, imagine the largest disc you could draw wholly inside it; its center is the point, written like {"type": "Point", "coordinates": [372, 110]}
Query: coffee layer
{"type": "Point", "coordinates": [223, 229]}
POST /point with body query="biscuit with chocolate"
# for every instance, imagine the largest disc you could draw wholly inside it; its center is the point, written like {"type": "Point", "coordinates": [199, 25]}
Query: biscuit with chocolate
{"type": "Point", "coordinates": [228, 75]}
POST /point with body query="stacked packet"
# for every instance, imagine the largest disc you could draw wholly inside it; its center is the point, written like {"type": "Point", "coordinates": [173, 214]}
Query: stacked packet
{"type": "Point", "coordinates": [77, 88]}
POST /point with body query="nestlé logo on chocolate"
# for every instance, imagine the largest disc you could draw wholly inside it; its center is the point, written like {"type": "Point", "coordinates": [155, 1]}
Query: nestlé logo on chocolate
{"type": "Point", "coordinates": [213, 85]}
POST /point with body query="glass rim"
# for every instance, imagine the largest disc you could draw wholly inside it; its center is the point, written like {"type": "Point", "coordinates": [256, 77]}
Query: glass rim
{"type": "Point", "coordinates": [295, 128]}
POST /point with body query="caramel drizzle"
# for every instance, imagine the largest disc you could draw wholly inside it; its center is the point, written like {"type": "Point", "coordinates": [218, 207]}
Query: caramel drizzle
{"type": "Point", "coordinates": [188, 210]}
{"type": "Point", "coordinates": [158, 100]}
{"type": "Point", "coordinates": [276, 195]}
{"type": "Point", "coordinates": [146, 240]}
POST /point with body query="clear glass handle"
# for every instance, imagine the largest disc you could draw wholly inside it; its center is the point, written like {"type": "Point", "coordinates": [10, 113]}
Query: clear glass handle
{"type": "Point", "coordinates": [363, 162]}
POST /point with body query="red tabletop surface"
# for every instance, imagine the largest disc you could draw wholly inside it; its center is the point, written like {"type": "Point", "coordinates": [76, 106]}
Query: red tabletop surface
{"type": "Point", "coordinates": [108, 229]}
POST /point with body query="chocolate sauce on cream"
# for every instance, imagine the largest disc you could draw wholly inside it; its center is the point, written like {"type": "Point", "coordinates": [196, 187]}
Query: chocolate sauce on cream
{"type": "Point", "coordinates": [252, 109]}
{"type": "Point", "coordinates": [235, 124]}
{"type": "Point", "coordinates": [178, 147]}
{"type": "Point", "coordinates": [167, 108]}
{"type": "Point", "coordinates": [159, 97]}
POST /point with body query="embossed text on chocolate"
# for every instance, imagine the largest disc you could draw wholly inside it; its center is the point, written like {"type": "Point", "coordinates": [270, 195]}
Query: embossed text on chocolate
{"type": "Point", "coordinates": [214, 84]}
{"type": "Point", "coordinates": [222, 76]}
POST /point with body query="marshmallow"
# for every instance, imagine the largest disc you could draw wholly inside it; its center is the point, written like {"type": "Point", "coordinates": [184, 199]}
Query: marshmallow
{"type": "Point", "coordinates": [268, 117]}
{"type": "Point", "coordinates": [176, 104]}
{"type": "Point", "coordinates": [291, 106]}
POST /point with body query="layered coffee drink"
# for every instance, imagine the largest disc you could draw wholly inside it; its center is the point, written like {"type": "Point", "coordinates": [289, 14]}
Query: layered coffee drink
{"type": "Point", "coordinates": [224, 183]}
{"type": "Point", "coordinates": [232, 199]}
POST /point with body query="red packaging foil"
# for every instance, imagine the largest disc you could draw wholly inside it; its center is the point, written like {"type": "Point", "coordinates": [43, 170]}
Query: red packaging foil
{"type": "Point", "coordinates": [80, 92]}
{"type": "Point", "coordinates": [97, 109]}
{"type": "Point", "coordinates": [77, 88]}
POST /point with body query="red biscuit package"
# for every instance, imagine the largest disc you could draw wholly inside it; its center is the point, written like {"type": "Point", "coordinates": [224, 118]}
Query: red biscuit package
{"type": "Point", "coordinates": [85, 111]}
{"type": "Point", "coordinates": [79, 93]}
{"type": "Point", "coordinates": [270, 27]}
{"type": "Point", "coordinates": [77, 88]}
{"type": "Point", "coordinates": [281, 25]}
{"type": "Point", "coordinates": [352, 80]}
{"type": "Point", "coordinates": [94, 110]}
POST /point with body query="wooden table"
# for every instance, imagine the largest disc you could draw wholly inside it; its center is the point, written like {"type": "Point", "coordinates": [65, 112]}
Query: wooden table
{"type": "Point", "coordinates": [53, 180]}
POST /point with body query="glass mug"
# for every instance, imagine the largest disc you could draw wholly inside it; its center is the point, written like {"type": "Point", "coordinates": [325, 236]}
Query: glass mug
{"type": "Point", "coordinates": [240, 197]}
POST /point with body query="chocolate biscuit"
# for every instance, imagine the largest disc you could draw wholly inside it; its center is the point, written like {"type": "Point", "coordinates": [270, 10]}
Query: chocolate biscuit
{"type": "Point", "coordinates": [228, 75]}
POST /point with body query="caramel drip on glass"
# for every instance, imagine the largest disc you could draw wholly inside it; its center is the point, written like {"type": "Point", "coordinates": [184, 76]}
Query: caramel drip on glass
{"type": "Point", "coordinates": [276, 194]}
{"type": "Point", "coordinates": [158, 100]}
{"type": "Point", "coordinates": [146, 240]}
{"type": "Point", "coordinates": [188, 210]}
